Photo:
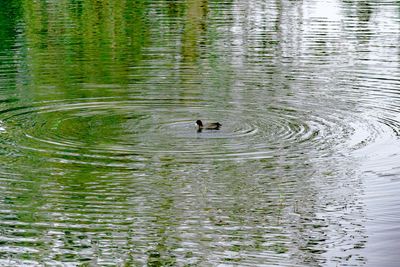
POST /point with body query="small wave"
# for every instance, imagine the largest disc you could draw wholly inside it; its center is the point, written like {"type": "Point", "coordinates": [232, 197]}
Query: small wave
{"type": "Point", "coordinates": [114, 132]}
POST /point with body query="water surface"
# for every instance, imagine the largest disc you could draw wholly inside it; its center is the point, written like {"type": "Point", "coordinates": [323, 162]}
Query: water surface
{"type": "Point", "coordinates": [102, 164]}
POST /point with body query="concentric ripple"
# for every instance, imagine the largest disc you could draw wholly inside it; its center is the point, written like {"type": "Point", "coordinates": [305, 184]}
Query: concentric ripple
{"type": "Point", "coordinates": [117, 132]}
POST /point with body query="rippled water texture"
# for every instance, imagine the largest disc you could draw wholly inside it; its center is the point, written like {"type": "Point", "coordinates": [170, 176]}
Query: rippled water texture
{"type": "Point", "coordinates": [101, 163]}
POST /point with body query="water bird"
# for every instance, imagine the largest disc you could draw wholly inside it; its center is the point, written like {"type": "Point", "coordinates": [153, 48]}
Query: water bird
{"type": "Point", "coordinates": [208, 126]}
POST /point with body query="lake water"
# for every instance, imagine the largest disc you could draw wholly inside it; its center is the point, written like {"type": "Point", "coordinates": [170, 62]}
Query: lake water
{"type": "Point", "coordinates": [101, 163]}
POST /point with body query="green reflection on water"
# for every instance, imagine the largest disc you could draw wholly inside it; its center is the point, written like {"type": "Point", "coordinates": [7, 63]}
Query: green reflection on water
{"type": "Point", "coordinates": [97, 102]}
{"type": "Point", "coordinates": [84, 42]}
